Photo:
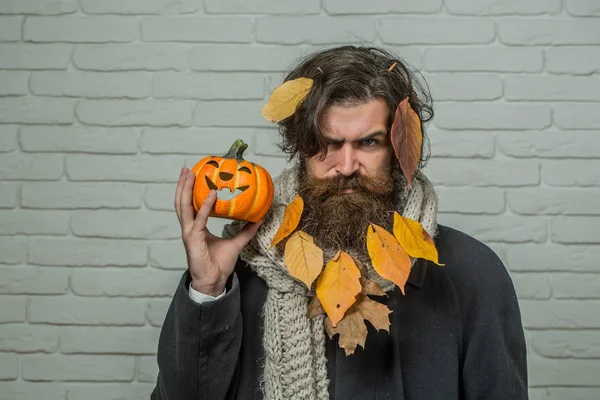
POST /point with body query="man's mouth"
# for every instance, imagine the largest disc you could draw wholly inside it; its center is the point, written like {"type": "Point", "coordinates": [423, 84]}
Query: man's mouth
{"type": "Point", "coordinates": [225, 193]}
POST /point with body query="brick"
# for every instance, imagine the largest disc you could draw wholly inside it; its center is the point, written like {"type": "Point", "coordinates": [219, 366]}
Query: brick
{"type": "Point", "coordinates": [265, 142]}
{"type": "Point", "coordinates": [147, 369]}
{"type": "Point", "coordinates": [382, 7]}
{"type": "Point", "coordinates": [29, 390]}
{"type": "Point", "coordinates": [10, 29]}
{"type": "Point", "coordinates": [502, 228]}
{"type": "Point", "coordinates": [24, 338]}
{"type": "Point", "coordinates": [138, 225]}
{"type": "Point", "coordinates": [13, 250]}
{"type": "Point", "coordinates": [548, 31]}
{"type": "Point", "coordinates": [323, 30]}
{"type": "Point", "coordinates": [576, 286]}
{"type": "Point", "coordinates": [168, 255]}
{"type": "Point", "coordinates": [467, 144]}
{"type": "Point", "coordinates": [549, 143]}
{"type": "Point", "coordinates": [572, 393]}
{"type": "Point", "coordinates": [571, 172]}
{"type": "Point", "coordinates": [553, 257]}
{"type": "Point", "coordinates": [79, 139]}
{"type": "Point", "coordinates": [34, 56]}
{"type": "Point", "coordinates": [74, 310]}
{"type": "Point", "coordinates": [537, 394]}
{"type": "Point", "coordinates": [262, 7]}
{"type": "Point", "coordinates": [492, 116]}
{"type": "Point", "coordinates": [502, 8]}
{"type": "Point", "coordinates": [577, 116]}
{"type": "Point", "coordinates": [31, 280]}
{"type": "Point", "coordinates": [219, 112]}
{"type": "Point", "coordinates": [116, 340]}
{"type": "Point", "coordinates": [134, 282]}
{"type": "Point", "coordinates": [160, 196]}
{"type": "Point", "coordinates": [12, 309]}
{"type": "Point", "coordinates": [157, 310]}
{"type": "Point", "coordinates": [192, 141]}
{"type": "Point", "coordinates": [13, 83]}
{"type": "Point", "coordinates": [113, 391]}
{"type": "Point", "coordinates": [583, 8]}
{"type": "Point", "coordinates": [451, 87]}
{"type": "Point", "coordinates": [575, 229]}
{"type": "Point", "coordinates": [91, 85]}
{"type": "Point", "coordinates": [552, 88]}
{"type": "Point", "coordinates": [473, 172]}
{"type": "Point", "coordinates": [80, 29]}
{"type": "Point", "coordinates": [88, 252]}
{"type": "Point", "coordinates": [8, 195]}
{"type": "Point", "coordinates": [36, 110]}
{"type": "Point", "coordinates": [583, 60]}
{"type": "Point", "coordinates": [28, 222]}
{"type": "Point", "coordinates": [135, 112]}
{"type": "Point", "coordinates": [487, 59]}
{"type": "Point", "coordinates": [209, 86]}
{"type": "Point", "coordinates": [426, 30]}
{"type": "Point", "coordinates": [8, 138]}
{"type": "Point", "coordinates": [152, 169]}
{"type": "Point", "coordinates": [554, 201]}
{"type": "Point", "coordinates": [9, 366]}
{"type": "Point", "coordinates": [555, 372]}
{"type": "Point", "coordinates": [561, 314]}
{"type": "Point", "coordinates": [211, 29]}
{"type": "Point", "coordinates": [242, 57]}
{"type": "Point", "coordinates": [66, 195]}
{"type": "Point", "coordinates": [470, 200]}
{"type": "Point", "coordinates": [534, 286]}
{"type": "Point", "coordinates": [131, 57]}
{"type": "Point", "coordinates": [38, 7]}
{"type": "Point", "coordinates": [18, 166]}
{"type": "Point", "coordinates": [136, 7]}
{"type": "Point", "coordinates": [69, 368]}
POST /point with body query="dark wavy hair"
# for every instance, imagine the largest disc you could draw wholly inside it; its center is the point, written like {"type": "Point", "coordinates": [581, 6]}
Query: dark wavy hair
{"type": "Point", "coordinates": [350, 75]}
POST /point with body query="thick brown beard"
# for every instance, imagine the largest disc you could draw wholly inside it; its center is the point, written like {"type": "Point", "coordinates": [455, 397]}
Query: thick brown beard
{"type": "Point", "coordinates": [339, 221]}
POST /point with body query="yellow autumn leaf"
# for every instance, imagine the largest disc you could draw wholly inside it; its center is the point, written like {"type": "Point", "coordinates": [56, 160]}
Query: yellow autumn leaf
{"type": "Point", "coordinates": [285, 99]}
{"type": "Point", "coordinates": [338, 285]}
{"type": "Point", "coordinates": [388, 257]}
{"type": "Point", "coordinates": [291, 218]}
{"type": "Point", "coordinates": [414, 239]}
{"type": "Point", "coordinates": [303, 258]}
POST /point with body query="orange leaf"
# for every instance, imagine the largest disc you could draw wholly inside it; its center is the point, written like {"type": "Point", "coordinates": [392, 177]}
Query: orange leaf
{"type": "Point", "coordinates": [352, 328]}
{"type": "Point", "coordinates": [414, 239]}
{"type": "Point", "coordinates": [303, 258]}
{"type": "Point", "coordinates": [338, 285]}
{"type": "Point", "coordinates": [291, 218]}
{"type": "Point", "coordinates": [388, 257]}
{"type": "Point", "coordinates": [407, 138]}
{"type": "Point", "coordinates": [314, 308]}
{"type": "Point", "coordinates": [285, 99]}
{"type": "Point", "coordinates": [392, 66]}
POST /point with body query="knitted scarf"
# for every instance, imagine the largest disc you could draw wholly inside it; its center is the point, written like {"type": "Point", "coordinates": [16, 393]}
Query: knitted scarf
{"type": "Point", "coordinates": [295, 363]}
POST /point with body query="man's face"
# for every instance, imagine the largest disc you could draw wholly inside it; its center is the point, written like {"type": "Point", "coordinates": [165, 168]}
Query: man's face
{"type": "Point", "coordinates": [352, 185]}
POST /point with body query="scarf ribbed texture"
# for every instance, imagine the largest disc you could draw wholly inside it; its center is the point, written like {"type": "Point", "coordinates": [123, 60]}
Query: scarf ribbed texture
{"type": "Point", "coordinates": [295, 363]}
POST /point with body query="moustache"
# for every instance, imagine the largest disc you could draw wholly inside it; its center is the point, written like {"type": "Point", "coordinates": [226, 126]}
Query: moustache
{"type": "Point", "coordinates": [323, 187]}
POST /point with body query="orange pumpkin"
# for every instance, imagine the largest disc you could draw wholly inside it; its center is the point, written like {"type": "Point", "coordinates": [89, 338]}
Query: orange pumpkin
{"type": "Point", "coordinates": [249, 184]}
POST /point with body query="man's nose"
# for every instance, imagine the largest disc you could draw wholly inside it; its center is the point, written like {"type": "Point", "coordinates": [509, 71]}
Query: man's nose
{"type": "Point", "coordinates": [348, 162]}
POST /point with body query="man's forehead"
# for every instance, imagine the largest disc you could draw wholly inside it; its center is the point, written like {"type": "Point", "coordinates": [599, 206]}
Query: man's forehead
{"type": "Point", "coordinates": [353, 122]}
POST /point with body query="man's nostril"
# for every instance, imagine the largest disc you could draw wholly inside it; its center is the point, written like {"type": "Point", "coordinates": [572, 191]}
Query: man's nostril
{"type": "Point", "coordinates": [225, 176]}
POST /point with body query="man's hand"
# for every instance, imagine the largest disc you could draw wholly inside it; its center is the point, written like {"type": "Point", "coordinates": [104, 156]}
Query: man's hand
{"type": "Point", "coordinates": [211, 259]}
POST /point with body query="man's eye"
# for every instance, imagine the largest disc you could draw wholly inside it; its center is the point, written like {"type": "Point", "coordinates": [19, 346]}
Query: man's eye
{"type": "Point", "coordinates": [369, 142]}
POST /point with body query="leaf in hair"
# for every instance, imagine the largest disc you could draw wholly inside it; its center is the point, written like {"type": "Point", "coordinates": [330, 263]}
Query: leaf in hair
{"type": "Point", "coordinates": [286, 98]}
{"type": "Point", "coordinates": [407, 138]}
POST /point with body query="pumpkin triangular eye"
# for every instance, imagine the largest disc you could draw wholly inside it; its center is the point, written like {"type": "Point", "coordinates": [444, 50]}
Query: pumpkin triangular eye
{"type": "Point", "coordinates": [245, 169]}
{"type": "Point", "coordinates": [213, 163]}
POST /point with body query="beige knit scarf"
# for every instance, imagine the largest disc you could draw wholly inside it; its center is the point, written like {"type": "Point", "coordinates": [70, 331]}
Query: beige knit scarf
{"type": "Point", "coordinates": [295, 364]}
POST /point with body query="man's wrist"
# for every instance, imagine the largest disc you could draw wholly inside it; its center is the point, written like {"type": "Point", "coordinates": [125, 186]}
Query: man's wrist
{"type": "Point", "coordinates": [210, 290]}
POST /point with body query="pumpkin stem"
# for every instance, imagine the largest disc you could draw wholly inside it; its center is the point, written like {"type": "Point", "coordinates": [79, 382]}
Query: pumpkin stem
{"type": "Point", "coordinates": [237, 150]}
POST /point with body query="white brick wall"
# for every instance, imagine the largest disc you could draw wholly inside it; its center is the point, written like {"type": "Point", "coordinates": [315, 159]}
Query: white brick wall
{"type": "Point", "coordinates": [102, 103]}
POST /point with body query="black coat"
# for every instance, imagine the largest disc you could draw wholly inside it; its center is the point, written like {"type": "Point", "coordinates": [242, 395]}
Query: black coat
{"type": "Point", "coordinates": [456, 334]}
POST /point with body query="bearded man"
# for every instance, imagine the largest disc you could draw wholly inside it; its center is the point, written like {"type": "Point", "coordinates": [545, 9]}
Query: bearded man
{"type": "Point", "coordinates": [237, 327]}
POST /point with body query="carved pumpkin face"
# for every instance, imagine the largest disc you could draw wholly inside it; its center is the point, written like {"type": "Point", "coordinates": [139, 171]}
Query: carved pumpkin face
{"type": "Point", "coordinates": [244, 189]}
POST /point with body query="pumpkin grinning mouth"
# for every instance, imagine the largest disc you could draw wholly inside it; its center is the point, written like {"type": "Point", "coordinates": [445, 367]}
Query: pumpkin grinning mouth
{"type": "Point", "coordinates": [224, 193]}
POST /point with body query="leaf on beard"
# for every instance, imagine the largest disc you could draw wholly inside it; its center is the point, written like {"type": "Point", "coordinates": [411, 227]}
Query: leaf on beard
{"type": "Point", "coordinates": [291, 219]}
{"type": "Point", "coordinates": [371, 288]}
{"type": "Point", "coordinates": [303, 258]}
{"type": "Point", "coordinates": [407, 138]}
{"type": "Point", "coordinates": [286, 98]}
{"type": "Point", "coordinates": [414, 239]}
{"type": "Point", "coordinates": [389, 259]}
{"type": "Point", "coordinates": [352, 328]}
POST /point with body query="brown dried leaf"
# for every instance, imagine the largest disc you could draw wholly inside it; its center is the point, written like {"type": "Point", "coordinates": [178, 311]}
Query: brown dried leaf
{"type": "Point", "coordinates": [314, 308]}
{"type": "Point", "coordinates": [407, 138]}
{"type": "Point", "coordinates": [371, 288]}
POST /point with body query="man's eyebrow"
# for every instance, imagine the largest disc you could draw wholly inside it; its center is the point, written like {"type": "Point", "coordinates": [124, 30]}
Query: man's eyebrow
{"type": "Point", "coordinates": [369, 136]}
